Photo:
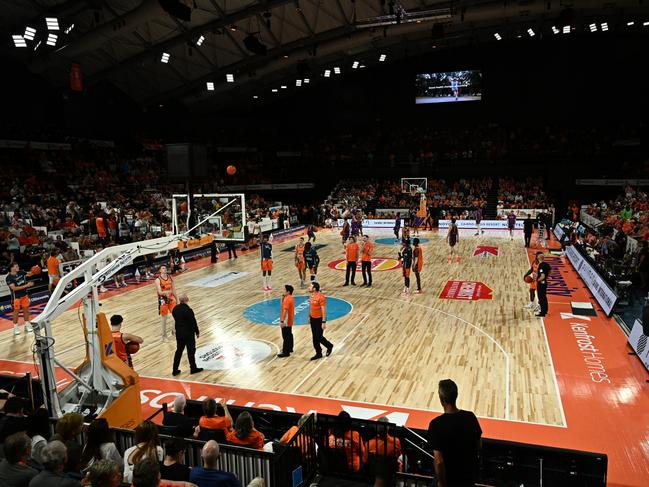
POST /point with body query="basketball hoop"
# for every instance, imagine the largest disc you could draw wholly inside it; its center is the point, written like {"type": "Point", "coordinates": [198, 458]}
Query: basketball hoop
{"type": "Point", "coordinates": [413, 191]}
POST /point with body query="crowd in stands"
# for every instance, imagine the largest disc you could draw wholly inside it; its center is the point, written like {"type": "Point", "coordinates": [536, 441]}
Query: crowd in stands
{"type": "Point", "coordinates": [521, 193]}
{"type": "Point", "coordinates": [628, 213]}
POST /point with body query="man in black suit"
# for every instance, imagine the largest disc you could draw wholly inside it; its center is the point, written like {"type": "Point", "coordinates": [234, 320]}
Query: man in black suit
{"type": "Point", "coordinates": [186, 334]}
{"type": "Point", "coordinates": [528, 229]}
{"type": "Point", "coordinates": [542, 275]}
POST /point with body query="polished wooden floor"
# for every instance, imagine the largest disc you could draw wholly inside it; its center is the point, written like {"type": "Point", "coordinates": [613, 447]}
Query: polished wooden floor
{"type": "Point", "coordinates": [391, 349]}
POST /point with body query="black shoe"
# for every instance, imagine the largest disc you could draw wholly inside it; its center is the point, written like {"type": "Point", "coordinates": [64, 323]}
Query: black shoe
{"type": "Point", "coordinates": [282, 355]}
{"type": "Point", "coordinates": [539, 315]}
{"type": "Point", "coordinates": [316, 357]}
{"type": "Point", "coordinates": [176, 372]}
{"type": "Point", "coordinates": [369, 285]}
{"type": "Point", "coordinates": [329, 350]}
{"type": "Point", "coordinates": [353, 283]}
{"type": "Point", "coordinates": [346, 284]}
{"type": "Point", "coordinates": [196, 370]}
{"type": "Point", "coordinates": [364, 284]}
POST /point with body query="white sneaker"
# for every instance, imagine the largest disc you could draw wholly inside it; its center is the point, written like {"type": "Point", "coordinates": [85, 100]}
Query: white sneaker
{"type": "Point", "coordinates": [16, 330]}
{"type": "Point", "coordinates": [28, 327]}
{"type": "Point", "coordinates": [125, 285]}
{"type": "Point", "coordinates": [117, 285]}
{"type": "Point", "coordinates": [102, 289]}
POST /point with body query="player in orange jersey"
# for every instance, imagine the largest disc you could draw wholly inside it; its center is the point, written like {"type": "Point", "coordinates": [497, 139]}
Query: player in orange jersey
{"type": "Point", "coordinates": [300, 263]}
{"type": "Point", "coordinates": [53, 272]}
{"type": "Point", "coordinates": [167, 298]}
{"type": "Point", "coordinates": [366, 261]}
{"type": "Point", "coordinates": [417, 262]}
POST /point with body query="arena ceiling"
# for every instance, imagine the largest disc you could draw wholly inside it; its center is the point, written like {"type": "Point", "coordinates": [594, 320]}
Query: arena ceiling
{"type": "Point", "coordinates": [123, 41]}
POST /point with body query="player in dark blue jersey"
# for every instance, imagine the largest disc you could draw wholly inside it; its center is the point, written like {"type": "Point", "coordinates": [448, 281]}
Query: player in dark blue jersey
{"type": "Point", "coordinates": [406, 264]}
{"type": "Point", "coordinates": [266, 250]}
{"type": "Point", "coordinates": [453, 237]}
{"type": "Point", "coordinates": [312, 261]}
{"type": "Point", "coordinates": [19, 285]}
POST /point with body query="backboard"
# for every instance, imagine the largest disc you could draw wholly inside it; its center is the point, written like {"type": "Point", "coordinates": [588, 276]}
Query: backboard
{"type": "Point", "coordinates": [228, 225]}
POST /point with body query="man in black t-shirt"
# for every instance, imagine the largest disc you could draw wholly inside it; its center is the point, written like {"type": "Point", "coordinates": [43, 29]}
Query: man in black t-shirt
{"type": "Point", "coordinates": [454, 438]}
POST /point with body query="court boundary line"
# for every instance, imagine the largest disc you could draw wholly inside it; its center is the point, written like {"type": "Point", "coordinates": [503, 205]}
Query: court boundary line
{"type": "Point", "coordinates": [549, 350]}
{"type": "Point", "coordinates": [341, 345]}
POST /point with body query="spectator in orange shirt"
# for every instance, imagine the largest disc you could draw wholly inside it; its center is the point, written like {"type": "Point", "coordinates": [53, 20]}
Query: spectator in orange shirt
{"type": "Point", "coordinates": [384, 454]}
{"type": "Point", "coordinates": [215, 417]}
{"type": "Point", "coordinates": [53, 273]}
{"type": "Point", "coordinates": [351, 253]}
{"type": "Point", "coordinates": [288, 436]}
{"type": "Point", "coordinates": [245, 434]}
{"type": "Point", "coordinates": [286, 319]}
{"type": "Point", "coordinates": [343, 438]}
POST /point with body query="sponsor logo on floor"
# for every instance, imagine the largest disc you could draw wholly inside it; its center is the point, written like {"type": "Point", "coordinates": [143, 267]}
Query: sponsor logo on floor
{"type": "Point", "coordinates": [485, 251]}
{"type": "Point", "coordinates": [267, 312]}
{"type": "Point", "coordinates": [379, 264]}
{"type": "Point", "coordinates": [232, 355]}
{"type": "Point", "coordinates": [218, 279]}
{"type": "Point", "coordinates": [466, 291]}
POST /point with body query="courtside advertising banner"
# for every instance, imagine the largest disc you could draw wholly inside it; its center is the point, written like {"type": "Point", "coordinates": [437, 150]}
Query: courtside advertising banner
{"type": "Point", "coordinates": [602, 292]}
{"type": "Point", "coordinates": [558, 232]}
{"type": "Point", "coordinates": [638, 341]}
{"type": "Point", "coordinates": [484, 224]}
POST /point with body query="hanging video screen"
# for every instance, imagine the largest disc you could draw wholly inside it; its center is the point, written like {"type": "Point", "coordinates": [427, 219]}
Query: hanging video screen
{"type": "Point", "coordinates": [448, 87]}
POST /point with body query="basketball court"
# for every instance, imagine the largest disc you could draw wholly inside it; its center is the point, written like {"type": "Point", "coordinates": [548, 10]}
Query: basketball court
{"type": "Point", "coordinates": [526, 378]}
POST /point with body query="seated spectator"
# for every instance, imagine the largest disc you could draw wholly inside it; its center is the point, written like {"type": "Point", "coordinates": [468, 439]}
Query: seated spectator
{"type": "Point", "coordinates": [68, 428]}
{"type": "Point", "coordinates": [100, 444]}
{"type": "Point", "coordinates": [455, 440]}
{"type": "Point", "coordinates": [257, 482]}
{"type": "Point", "coordinates": [245, 434]}
{"type": "Point", "coordinates": [343, 438]}
{"type": "Point", "coordinates": [208, 475]}
{"type": "Point", "coordinates": [54, 459]}
{"type": "Point", "coordinates": [147, 445]}
{"type": "Point", "coordinates": [14, 419]}
{"type": "Point", "coordinates": [172, 467]}
{"type": "Point", "coordinates": [286, 438]}
{"type": "Point", "coordinates": [384, 454]}
{"type": "Point", "coordinates": [104, 473]}
{"type": "Point", "coordinates": [177, 418]}
{"type": "Point", "coordinates": [215, 417]}
{"type": "Point", "coordinates": [14, 470]}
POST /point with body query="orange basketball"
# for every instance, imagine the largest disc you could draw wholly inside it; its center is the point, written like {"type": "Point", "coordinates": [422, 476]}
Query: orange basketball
{"type": "Point", "coordinates": [528, 279]}
{"type": "Point", "coordinates": [132, 347]}
{"type": "Point", "coordinates": [231, 170]}
{"type": "Point", "coordinates": [35, 270]}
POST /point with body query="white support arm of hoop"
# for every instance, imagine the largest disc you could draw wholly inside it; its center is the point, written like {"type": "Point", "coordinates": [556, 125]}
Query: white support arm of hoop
{"type": "Point", "coordinates": [95, 271]}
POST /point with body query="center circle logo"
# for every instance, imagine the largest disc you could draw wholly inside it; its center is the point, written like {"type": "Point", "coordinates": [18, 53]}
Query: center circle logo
{"type": "Point", "coordinates": [393, 241]}
{"type": "Point", "coordinates": [267, 312]}
{"type": "Point", "coordinates": [232, 355]}
{"type": "Point", "coordinates": [379, 264]}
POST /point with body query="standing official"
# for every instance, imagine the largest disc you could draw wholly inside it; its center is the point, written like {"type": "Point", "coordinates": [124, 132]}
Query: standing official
{"type": "Point", "coordinates": [543, 273]}
{"type": "Point", "coordinates": [351, 255]}
{"type": "Point", "coordinates": [318, 320]}
{"type": "Point", "coordinates": [528, 229]}
{"type": "Point", "coordinates": [286, 319]}
{"type": "Point", "coordinates": [186, 334]}
{"type": "Point", "coordinates": [366, 261]}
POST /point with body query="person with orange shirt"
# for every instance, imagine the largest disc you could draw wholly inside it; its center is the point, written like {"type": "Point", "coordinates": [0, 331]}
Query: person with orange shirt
{"type": "Point", "coordinates": [121, 339]}
{"type": "Point", "coordinates": [384, 454]}
{"type": "Point", "coordinates": [532, 272]}
{"type": "Point", "coordinates": [417, 262]}
{"type": "Point", "coordinates": [245, 434]}
{"type": "Point", "coordinates": [216, 416]}
{"type": "Point", "coordinates": [366, 261]}
{"type": "Point", "coordinates": [53, 272]}
{"type": "Point", "coordinates": [351, 253]}
{"type": "Point", "coordinates": [286, 320]}
{"type": "Point", "coordinates": [300, 263]}
{"type": "Point", "coordinates": [292, 431]}
{"type": "Point", "coordinates": [318, 320]}
{"type": "Point", "coordinates": [343, 438]}
{"type": "Point", "coordinates": [167, 298]}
